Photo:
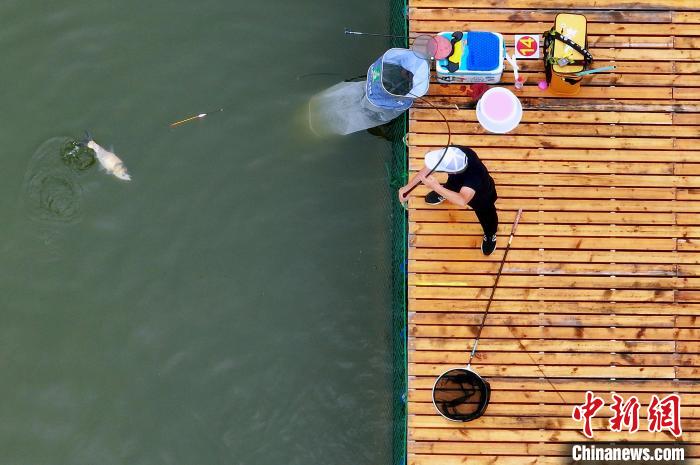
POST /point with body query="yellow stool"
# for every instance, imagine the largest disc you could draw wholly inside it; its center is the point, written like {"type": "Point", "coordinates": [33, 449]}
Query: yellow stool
{"type": "Point", "coordinates": [565, 54]}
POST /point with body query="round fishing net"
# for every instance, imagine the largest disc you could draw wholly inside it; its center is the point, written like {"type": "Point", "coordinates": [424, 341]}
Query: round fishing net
{"type": "Point", "coordinates": [393, 81]}
{"type": "Point", "coordinates": [460, 394]}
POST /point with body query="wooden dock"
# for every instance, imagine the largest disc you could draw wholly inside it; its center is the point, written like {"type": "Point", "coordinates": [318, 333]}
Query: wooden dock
{"type": "Point", "coordinates": [601, 289]}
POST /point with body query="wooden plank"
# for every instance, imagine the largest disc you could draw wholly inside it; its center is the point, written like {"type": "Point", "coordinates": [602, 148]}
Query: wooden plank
{"type": "Point", "coordinates": [539, 409]}
{"type": "Point", "coordinates": [574, 345]}
{"type": "Point", "coordinates": [552, 282]}
{"type": "Point", "coordinates": [540, 217]}
{"type": "Point", "coordinates": [686, 93]}
{"type": "Point", "coordinates": [537, 255]}
{"type": "Point", "coordinates": [686, 42]}
{"type": "Point", "coordinates": [561, 230]}
{"type": "Point", "coordinates": [551, 102]}
{"type": "Point", "coordinates": [685, 17]}
{"type": "Point", "coordinates": [638, 143]}
{"type": "Point", "coordinates": [552, 332]}
{"type": "Point", "coordinates": [623, 386]}
{"type": "Point", "coordinates": [487, 153]}
{"type": "Point", "coordinates": [521, 422]}
{"type": "Point", "coordinates": [570, 243]}
{"type": "Point", "coordinates": [536, 141]}
{"type": "Point", "coordinates": [439, 434]}
{"type": "Point", "coordinates": [566, 205]}
{"type": "Point", "coordinates": [505, 448]}
{"type": "Point", "coordinates": [551, 319]}
{"type": "Point", "coordinates": [552, 358]}
{"type": "Point", "coordinates": [580, 117]}
{"type": "Point", "coordinates": [481, 460]}
{"type": "Point", "coordinates": [490, 459]}
{"type": "Point", "coordinates": [625, 5]}
{"type": "Point", "coordinates": [624, 67]}
{"type": "Point", "coordinates": [646, 199]}
{"type": "Point", "coordinates": [607, 308]}
{"type": "Point", "coordinates": [576, 167]}
{"type": "Point", "coordinates": [685, 118]}
{"type": "Point", "coordinates": [545, 397]}
{"type": "Point", "coordinates": [546, 15]}
{"type": "Point", "coordinates": [551, 370]}
{"type": "Point", "coordinates": [595, 180]}
{"type": "Point", "coordinates": [607, 130]}
{"type": "Point", "coordinates": [587, 92]}
{"type": "Point", "coordinates": [686, 68]}
{"type": "Point", "coordinates": [506, 27]}
{"type": "Point", "coordinates": [633, 308]}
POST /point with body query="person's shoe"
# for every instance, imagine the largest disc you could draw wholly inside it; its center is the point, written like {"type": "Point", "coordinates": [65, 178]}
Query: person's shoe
{"type": "Point", "coordinates": [488, 245]}
{"type": "Point", "coordinates": [433, 198]}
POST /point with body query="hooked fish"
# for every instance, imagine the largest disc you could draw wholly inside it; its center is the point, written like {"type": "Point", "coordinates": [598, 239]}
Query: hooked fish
{"type": "Point", "coordinates": [109, 161]}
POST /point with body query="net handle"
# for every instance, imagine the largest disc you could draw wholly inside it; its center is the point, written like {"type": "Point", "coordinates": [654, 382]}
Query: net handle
{"type": "Point", "coordinates": [488, 306]}
{"type": "Point", "coordinates": [495, 285]}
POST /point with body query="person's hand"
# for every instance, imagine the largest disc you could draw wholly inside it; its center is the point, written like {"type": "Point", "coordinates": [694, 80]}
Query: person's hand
{"type": "Point", "coordinates": [430, 181]}
{"type": "Point", "coordinates": [403, 194]}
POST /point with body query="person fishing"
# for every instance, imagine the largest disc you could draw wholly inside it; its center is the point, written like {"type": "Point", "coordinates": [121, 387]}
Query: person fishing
{"type": "Point", "coordinates": [468, 183]}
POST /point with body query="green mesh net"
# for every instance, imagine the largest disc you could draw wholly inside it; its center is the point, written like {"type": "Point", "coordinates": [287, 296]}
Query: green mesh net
{"type": "Point", "coordinates": [397, 177]}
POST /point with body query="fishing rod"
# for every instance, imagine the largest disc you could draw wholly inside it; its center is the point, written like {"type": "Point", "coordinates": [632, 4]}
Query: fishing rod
{"type": "Point", "coordinates": [495, 285]}
{"type": "Point", "coordinates": [349, 31]}
{"type": "Point", "coordinates": [488, 306]}
{"type": "Point", "coordinates": [461, 394]}
{"type": "Point", "coordinates": [444, 150]}
{"type": "Point", "coordinates": [596, 70]}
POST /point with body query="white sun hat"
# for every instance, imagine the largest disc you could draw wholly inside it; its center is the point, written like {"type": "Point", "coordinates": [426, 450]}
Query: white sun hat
{"type": "Point", "coordinates": [454, 160]}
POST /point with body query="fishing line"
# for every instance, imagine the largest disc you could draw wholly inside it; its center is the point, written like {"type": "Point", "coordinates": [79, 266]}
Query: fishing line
{"type": "Point", "coordinates": [349, 31]}
{"type": "Point", "coordinates": [308, 75]}
{"type": "Point", "coordinates": [444, 151]}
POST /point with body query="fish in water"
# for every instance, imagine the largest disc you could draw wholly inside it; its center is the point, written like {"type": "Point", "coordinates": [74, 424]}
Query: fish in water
{"type": "Point", "coordinates": [109, 161]}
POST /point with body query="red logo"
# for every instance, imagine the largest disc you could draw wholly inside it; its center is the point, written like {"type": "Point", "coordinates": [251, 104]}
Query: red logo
{"type": "Point", "coordinates": [625, 414]}
{"type": "Point", "coordinates": [662, 414]}
{"type": "Point", "coordinates": [665, 414]}
{"type": "Point", "coordinates": [587, 411]}
{"type": "Point", "coordinates": [527, 46]}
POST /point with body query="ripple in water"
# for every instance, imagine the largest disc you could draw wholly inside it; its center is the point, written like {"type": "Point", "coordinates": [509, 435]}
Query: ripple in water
{"type": "Point", "coordinates": [52, 192]}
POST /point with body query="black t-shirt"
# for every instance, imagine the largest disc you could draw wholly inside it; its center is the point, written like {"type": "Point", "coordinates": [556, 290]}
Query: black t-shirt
{"type": "Point", "coordinates": [476, 177]}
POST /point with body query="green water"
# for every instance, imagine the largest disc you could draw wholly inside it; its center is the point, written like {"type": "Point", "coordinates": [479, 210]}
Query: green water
{"type": "Point", "coordinates": [230, 304]}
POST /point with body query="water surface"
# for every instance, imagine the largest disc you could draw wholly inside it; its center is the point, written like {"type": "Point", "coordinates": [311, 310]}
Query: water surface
{"type": "Point", "coordinates": [230, 305]}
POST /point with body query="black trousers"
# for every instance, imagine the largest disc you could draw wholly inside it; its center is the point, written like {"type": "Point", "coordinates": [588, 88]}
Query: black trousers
{"type": "Point", "coordinates": [488, 217]}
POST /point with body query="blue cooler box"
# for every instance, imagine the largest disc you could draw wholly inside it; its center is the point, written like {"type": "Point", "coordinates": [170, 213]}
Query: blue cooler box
{"type": "Point", "coordinates": [481, 60]}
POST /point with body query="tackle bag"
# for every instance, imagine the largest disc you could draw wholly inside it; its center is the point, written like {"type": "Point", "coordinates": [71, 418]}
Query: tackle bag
{"type": "Point", "coordinates": [565, 54]}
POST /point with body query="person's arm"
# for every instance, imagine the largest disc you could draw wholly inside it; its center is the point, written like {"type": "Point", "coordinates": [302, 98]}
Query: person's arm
{"type": "Point", "coordinates": [460, 198]}
{"type": "Point", "coordinates": [414, 181]}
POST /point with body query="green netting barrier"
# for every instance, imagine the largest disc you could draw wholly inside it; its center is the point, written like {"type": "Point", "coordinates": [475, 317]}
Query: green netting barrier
{"type": "Point", "coordinates": [398, 168]}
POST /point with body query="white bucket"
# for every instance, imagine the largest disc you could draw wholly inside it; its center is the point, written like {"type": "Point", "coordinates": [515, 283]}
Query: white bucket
{"type": "Point", "coordinates": [499, 110]}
